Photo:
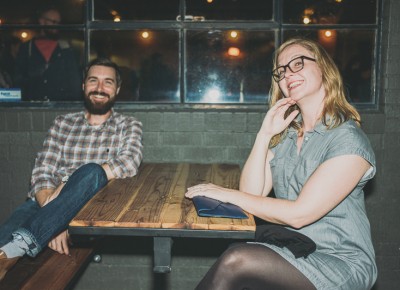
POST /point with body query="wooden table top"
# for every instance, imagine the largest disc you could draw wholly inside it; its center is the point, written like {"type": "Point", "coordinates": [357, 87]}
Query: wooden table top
{"type": "Point", "coordinates": [155, 199]}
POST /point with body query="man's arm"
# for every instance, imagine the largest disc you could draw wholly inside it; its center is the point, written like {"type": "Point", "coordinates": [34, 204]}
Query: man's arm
{"type": "Point", "coordinates": [47, 162]}
{"type": "Point", "coordinates": [44, 196]}
{"type": "Point", "coordinates": [127, 161]}
{"type": "Point", "coordinates": [107, 169]}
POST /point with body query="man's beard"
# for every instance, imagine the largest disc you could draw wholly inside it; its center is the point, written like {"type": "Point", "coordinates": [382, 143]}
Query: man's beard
{"type": "Point", "coordinates": [51, 34]}
{"type": "Point", "coordinates": [96, 108]}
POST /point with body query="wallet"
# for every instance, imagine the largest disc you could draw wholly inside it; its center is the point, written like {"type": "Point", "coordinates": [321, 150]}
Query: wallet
{"type": "Point", "coordinates": [208, 207]}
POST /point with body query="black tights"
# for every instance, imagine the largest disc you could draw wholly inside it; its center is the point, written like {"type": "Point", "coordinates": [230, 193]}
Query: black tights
{"type": "Point", "coordinates": [253, 267]}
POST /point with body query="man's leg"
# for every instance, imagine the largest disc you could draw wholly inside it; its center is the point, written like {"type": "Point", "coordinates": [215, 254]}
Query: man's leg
{"type": "Point", "coordinates": [19, 216]}
{"type": "Point", "coordinates": [53, 218]}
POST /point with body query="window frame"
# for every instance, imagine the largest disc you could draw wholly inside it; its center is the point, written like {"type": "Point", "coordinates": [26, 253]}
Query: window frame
{"type": "Point", "coordinates": [275, 24]}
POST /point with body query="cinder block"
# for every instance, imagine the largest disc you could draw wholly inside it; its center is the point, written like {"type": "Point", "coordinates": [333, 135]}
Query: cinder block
{"type": "Point", "coordinates": [219, 122]}
{"type": "Point", "coordinates": [151, 138]}
{"type": "Point", "coordinates": [3, 124]}
{"type": "Point", "coordinates": [254, 121]}
{"type": "Point", "coordinates": [153, 122]}
{"type": "Point", "coordinates": [25, 121]}
{"type": "Point", "coordinates": [170, 122]}
{"type": "Point", "coordinates": [182, 138]}
{"type": "Point", "coordinates": [38, 122]}
{"type": "Point", "coordinates": [11, 121]}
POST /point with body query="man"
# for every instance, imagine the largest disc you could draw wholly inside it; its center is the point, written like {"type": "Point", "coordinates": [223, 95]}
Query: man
{"type": "Point", "coordinates": [81, 152]}
{"type": "Point", "coordinates": [46, 67]}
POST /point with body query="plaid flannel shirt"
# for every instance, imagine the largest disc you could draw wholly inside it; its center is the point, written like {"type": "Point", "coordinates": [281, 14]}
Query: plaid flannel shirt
{"type": "Point", "coordinates": [72, 142]}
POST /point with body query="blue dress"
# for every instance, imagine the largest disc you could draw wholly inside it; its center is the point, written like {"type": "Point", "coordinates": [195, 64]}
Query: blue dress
{"type": "Point", "coordinates": [345, 257]}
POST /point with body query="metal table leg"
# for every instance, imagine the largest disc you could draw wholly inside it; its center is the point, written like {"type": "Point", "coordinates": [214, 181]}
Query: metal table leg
{"type": "Point", "coordinates": [162, 254]}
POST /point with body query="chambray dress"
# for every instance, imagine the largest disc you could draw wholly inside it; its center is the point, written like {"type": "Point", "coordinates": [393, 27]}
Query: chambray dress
{"type": "Point", "coordinates": [345, 257]}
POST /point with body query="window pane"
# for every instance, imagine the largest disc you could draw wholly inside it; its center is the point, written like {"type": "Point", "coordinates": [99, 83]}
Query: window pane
{"type": "Point", "coordinates": [149, 61]}
{"type": "Point", "coordinates": [354, 54]}
{"type": "Point", "coordinates": [136, 9]}
{"type": "Point", "coordinates": [43, 74]}
{"type": "Point", "coordinates": [27, 11]}
{"type": "Point", "coordinates": [229, 9]}
{"type": "Point", "coordinates": [228, 66]}
{"type": "Point", "coordinates": [329, 11]}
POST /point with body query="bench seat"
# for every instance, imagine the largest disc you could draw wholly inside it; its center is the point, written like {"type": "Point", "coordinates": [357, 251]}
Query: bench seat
{"type": "Point", "coordinates": [48, 271]}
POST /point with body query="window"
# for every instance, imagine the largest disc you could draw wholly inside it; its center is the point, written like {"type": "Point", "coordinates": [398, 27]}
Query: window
{"type": "Point", "coordinates": [183, 51]}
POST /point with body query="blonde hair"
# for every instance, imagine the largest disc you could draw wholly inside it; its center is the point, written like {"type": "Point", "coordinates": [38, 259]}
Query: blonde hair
{"type": "Point", "coordinates": [336, 107]}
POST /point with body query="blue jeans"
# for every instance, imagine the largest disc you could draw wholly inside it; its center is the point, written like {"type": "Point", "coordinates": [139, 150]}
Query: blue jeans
{"type": "Point", "coordinates": [38, 225]}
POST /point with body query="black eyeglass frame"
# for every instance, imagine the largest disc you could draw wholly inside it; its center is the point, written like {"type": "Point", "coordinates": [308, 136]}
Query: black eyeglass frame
{"type": "Point", "coordinates": [280, 77]}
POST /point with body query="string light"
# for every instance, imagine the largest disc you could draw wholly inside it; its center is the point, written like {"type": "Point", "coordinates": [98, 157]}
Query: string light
{"type": "Point", "coordinates": [234, 34]}
{"type": "Point", "coordinates": [145, 34]}
{"type": "Point", "coordinates": [234, 51]}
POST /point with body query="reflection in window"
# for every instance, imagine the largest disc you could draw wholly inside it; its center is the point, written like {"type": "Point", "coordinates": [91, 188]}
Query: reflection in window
{"type": "Point", "coordinates": [204, 10]}
{"type": "Point", "coordinates": [353, 54]}
{"type": "Point", "coordinates": [228, 66]}
{"type": "Point", "coordinates": [329, 11]}
{"type": "Point", "coordinates": [149, 60]}
{"type": "Point", "coordinates": [45, 64]}
{"type": "Point", "coordinates": [211, 51]}
{"type": "Point", "coordinates": [120, 10]}
{"type": "Point", "coordinates": [26, 11]}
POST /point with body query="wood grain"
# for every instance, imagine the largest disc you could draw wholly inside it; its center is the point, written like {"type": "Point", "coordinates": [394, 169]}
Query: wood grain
{"type": "Point", "coordinates": [155, 198]}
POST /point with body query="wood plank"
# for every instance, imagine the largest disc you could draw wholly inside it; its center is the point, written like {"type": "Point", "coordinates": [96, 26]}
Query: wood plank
{"type": "Point", "coordinates": [48, 270]}
{"type": "Point", "coordinates": [180, 212]}
{"type": "Point", "coordinates": [155, 199]}
{"type": "Point", "coordinates": [60, 268]}
{"type": "Point", "coordinates": [177, 208]}
{"type": "Point", "coordinates": [146, 209]}
{"type": "Point", "coordinates": [108, 204]}
{"type": "Point", "coordinates": [226, 175]}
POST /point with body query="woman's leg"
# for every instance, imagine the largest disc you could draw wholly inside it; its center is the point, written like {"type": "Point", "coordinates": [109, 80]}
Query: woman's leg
{"type": "Point", "coordinates": [253, 267]}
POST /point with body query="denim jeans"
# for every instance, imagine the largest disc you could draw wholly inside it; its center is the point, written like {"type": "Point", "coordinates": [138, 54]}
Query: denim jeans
{"type": "Point", "coordinates": [38, 225]}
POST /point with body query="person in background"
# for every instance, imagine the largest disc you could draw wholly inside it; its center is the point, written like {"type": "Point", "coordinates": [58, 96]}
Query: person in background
{"type": "Point", "coordinates": [311, 151]}
{"type": "Point", "coordinates": [81, 152]}
{"type": "Point", "coordinates": [9, 46]}
{"type": "Point", "coordinates": [46, 67]}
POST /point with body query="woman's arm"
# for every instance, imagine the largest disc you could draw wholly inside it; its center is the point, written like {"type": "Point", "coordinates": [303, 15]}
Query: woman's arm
{"type": "Point", "coordinates": [256, 174]}
{"type": "Point", "coordinates": [326, 188]}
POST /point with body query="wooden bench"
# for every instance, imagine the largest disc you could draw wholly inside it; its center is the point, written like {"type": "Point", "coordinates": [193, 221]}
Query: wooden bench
{"type": "Point", "coordinates": [48, 271]}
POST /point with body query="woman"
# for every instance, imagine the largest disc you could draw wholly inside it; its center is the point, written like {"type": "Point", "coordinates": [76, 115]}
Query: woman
{"type": "Point", "coordinates": [312, 153]}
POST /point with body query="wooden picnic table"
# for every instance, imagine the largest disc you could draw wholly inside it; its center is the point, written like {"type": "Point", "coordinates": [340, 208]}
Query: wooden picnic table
{"type": "Point", "coordinates": [153, 204]}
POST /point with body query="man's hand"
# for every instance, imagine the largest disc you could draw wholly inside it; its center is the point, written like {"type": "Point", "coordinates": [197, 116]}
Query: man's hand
{"type": "Point", "coordinates": [60, 243]}
{"type": "Point", "coordinates": [44, 196]}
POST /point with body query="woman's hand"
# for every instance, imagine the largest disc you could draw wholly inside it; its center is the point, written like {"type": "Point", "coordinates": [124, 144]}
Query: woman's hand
{"type": "Point", "coordinates": [274, 121]}
{"type": "Point", "coordinates": [209, 190]}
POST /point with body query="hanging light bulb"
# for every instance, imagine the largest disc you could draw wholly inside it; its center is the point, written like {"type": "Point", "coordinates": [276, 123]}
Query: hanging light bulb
{"type": "Point", "coordinates": [145, 34]}
{"type": "Point", "coordinates": [234, 51]}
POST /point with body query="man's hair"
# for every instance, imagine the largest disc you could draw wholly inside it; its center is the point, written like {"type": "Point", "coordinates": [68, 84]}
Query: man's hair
{"type": "Point", "coordinates": [47, 7]}
{"type": "Point", "coordinates": [103, 61]}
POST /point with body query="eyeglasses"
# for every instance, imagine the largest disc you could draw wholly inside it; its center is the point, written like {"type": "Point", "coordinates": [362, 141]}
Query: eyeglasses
{"type": "Point", "coordinates": [295, 65]}
{"type": "Point", "coordinates": [50, 21]}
